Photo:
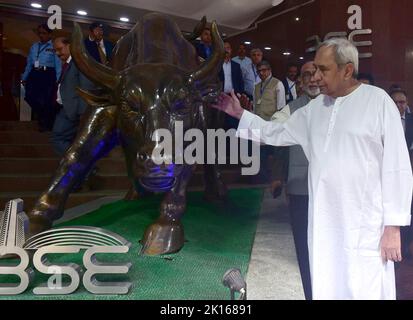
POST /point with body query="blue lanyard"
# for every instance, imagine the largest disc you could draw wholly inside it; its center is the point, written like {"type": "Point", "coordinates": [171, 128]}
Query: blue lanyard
{"type": "Point", "coordinates": [262, 89]}
{"type": "Point", "coordinates": [253, 70]}
{"type": "Point", "coordinates": [42, 49]}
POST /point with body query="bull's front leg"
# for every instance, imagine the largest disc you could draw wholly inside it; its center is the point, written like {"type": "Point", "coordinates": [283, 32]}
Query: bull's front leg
{"type": "Point", "coordinates": [95, 139]}
{"type": "Point", "coordinates": [215, 188]}
{"type": "Point", "coordinates": [166, 234]}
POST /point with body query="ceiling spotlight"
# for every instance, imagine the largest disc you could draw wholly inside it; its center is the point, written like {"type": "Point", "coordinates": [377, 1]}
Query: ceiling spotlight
{"type": "Point", "coordinates": [287, 53]}
{"type": "Point", "coordinates": [82, 12]}
{"type": "Point", "coordinates": [297, 19]}
{"type": "Point", "coordinates": [247, 42]}
{"type": "Point", "coordinates": [267, 48]}
{"type": "Point", "coordinates": [124, 19]}
{"type": "Point", "coordinates": [301, 58]}
{"type": "Point", "coordinates": [36, 5]}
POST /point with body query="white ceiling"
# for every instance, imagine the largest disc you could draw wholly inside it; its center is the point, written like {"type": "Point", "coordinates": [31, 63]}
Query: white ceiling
{"type": "Point", "coordinates": [231, 15]}
{"type": "Point", "coordinates": [237, 14]}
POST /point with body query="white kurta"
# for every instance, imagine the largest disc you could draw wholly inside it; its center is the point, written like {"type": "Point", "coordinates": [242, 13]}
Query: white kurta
{"type": "Point", "coordinates": [360, 180]}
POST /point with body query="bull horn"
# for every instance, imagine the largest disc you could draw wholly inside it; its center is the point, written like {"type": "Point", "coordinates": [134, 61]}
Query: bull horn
{"type": "Point", "coordinates": [197, 30]}
{"type": "Point", "coordinates": [91, 99]}
{"type": "Point", "coordinates": [96, 72]}
{"type": "Point", "coordinates": [212, 65]}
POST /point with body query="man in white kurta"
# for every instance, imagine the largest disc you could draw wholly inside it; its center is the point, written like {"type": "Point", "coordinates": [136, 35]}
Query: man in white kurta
{"type": "Point", "coordinates": [360, 182]}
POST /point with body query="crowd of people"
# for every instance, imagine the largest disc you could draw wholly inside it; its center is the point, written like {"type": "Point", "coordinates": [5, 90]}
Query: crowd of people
{"type": "Point", "coordinates": [51, 79]}
{"type": "Point", "coordinates": [280, 108]}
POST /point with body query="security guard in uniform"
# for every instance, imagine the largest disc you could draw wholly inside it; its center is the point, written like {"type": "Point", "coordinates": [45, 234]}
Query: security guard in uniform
{"type": "Point", "coordinates": [40, 77]}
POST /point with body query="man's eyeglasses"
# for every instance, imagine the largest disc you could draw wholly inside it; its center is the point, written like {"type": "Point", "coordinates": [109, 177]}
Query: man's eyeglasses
{"type": "Point", "coordinates": [263, 70]}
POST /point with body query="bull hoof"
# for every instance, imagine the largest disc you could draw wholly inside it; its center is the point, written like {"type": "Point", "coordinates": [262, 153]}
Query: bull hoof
{"type": "Point", "coordinates": [163, 237]}
{"type": "Point", "coordinates": [38, 224]}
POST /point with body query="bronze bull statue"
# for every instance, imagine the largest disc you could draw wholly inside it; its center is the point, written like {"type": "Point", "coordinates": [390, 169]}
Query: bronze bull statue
{"type": "Point", "coordinates": [154, 80]}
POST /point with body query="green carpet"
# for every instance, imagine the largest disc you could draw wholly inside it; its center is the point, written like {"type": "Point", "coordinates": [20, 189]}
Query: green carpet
{"type": "Point", "coordinates": [218, 237]}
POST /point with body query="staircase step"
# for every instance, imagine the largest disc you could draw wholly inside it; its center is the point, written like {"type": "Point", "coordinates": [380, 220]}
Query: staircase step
{"type": "Point", "coordinates": [23, 166]}
{"type": "Point", "coordinates": [18, 126]}
{"type": "Point", "coordinates": [18, 183]}
{"type": "Point", "coordinates": [27, 151]}
{"type": "Point", "coordinates": [39, 151]}
{"type": "Point", "coordinates": [24, 137]}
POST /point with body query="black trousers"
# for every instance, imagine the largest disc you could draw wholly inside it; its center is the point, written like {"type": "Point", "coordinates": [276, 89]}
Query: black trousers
{"type": "Point", "coordinates": [40, 92]}
{"type": "Point", "coordinates": [298, 206]}
{"type": "Point", "coordinates": [407, 237]}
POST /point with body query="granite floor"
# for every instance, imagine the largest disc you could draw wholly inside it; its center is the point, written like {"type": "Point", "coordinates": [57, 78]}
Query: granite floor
{"type": "Point", "coordinates": [273, 273]}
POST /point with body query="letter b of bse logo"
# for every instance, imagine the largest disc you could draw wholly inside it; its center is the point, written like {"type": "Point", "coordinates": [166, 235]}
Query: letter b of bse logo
{"type": "Point", "coordinates": [13, 245]}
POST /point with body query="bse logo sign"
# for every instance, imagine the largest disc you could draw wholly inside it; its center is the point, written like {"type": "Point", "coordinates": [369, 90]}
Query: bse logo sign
{"type": "Point", "coordinates": [13, 227]}
{"type": "Point", "coordinates": [355, 25]}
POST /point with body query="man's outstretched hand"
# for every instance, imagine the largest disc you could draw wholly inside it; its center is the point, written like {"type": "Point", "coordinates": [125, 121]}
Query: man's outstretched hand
{"type": "Point", "coordinates": [230, 104]}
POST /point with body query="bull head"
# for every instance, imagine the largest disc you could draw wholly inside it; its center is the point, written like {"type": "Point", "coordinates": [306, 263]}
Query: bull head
{"type": "Point", "coordinates": [151, 96]}
{"type": "Point", "coordinates": [108, 78]}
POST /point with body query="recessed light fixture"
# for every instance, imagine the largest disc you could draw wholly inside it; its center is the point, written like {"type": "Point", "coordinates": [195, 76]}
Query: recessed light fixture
{"type": "Point", "coordinates": [297, 19]}
{"type": "Point", "coordinates": [287, 53]}
{"type": "Point", "coordinates": [267, 48]}
{"type": "Point", "coordinates": [82, 12]}
{"type": "Point", "coordinates": [124, 19]}
{"type": "Point", "coordinates": [247, 42]}
{"type": "Point", "coordinates": [301, 58]}
{"type": "Point", "coordinates": [36, 5]}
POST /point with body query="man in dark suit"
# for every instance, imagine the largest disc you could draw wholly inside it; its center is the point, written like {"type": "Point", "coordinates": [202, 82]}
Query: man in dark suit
{"type": "Point", "coordinates": [399, 97]}
{"type": "Point", "coordinates": [231, 78]}
{"type": "Point", "coordinates": [99, 48]}
{"type": "Point", "coordinates": [290, 84]}
{"type": "Point", "coordinates": [204, 48]}
{"type": "Point", "coordinates": [71, 104]}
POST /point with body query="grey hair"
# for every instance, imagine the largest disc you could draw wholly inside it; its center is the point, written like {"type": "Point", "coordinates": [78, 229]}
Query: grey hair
{"type": "Point", "coordinates": [256, 50]}
{"type": "Point", "coordinates": [264, 63]}
{"type": "Point", "coordinates": [345, 52]}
